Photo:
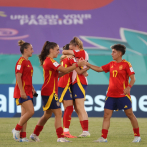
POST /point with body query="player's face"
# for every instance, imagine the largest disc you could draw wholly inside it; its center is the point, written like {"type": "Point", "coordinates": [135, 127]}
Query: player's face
{"type": "Point", "coordinates": [115, 54]}
{"type": "Point", "coordinates": [72, 47]}
{"type": "Point", "coordinates": [29, 50]}
{"type": "Point", "coordinates": [56, 51]}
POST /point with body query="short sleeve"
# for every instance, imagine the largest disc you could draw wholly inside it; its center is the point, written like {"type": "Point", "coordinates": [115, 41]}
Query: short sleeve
{"type": "Point", "coordinates": [106, 68]}
{"type": "Point", "coordinates": [20, 67]}
{"type": "Point", "coordinates": [71, 61]}
{"type": "Point", "coordinates": [129, 69]}
{"type": "Point", "coordinates": [55, 65]}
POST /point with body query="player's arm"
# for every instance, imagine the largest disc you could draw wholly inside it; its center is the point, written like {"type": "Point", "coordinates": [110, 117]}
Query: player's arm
{"type": "Point", "coordinates": [82, 71]}
{"type": "Point", "coordinates": [61, 74]}
{"type": "Point", "coordinates": [19, 82]}
{"type": "Point", "coordinates": [132, 81]}
{"type": "Point", "coordinates": [67, 52]}
{"type": "Point", "coordinates": [71, 68]}
{"type": "Point", "coordinates": [95, 68]}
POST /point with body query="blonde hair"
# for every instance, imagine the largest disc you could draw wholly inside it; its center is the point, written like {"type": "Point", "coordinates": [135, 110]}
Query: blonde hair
{"type": "Point", "coordinates": [21, 42]}
{"type": "Point", "coordinates": [76, 41]}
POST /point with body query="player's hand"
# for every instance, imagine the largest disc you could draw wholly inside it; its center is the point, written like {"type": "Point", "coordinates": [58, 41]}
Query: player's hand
{"type": "Point", "coordinates": [88, 64]}
{"type": "Point", "coordinates": [81, 62]}
{"type": "Point", "coordinates": [127, 90]}
{"type": "Point", "coordinates": [23, 95]}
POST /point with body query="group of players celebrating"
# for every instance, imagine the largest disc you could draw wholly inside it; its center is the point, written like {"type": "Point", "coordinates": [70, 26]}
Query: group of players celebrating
{"type": "Point", "coordinates": [70, 89]}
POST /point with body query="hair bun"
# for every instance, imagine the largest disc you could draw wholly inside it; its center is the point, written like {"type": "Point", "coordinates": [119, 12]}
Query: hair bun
{"type": "Point", "coordinates": [21, 42]}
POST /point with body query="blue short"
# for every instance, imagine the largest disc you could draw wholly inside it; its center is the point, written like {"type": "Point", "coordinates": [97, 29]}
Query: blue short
{"type": "Point", "coordinates": [118, 103]}
{"type": "Point", "coordinates": [78, 90]}
{"type": "Point", "coordinates": [21, 100]}
{"type": "Point", "coordinates": [50, 102]}
{"type": "Point", "coordinates": [64, 93]}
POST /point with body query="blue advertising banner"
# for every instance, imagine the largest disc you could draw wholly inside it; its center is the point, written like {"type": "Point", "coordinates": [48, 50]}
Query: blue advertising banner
{"type": "Point", "coordinates": [94, 103]}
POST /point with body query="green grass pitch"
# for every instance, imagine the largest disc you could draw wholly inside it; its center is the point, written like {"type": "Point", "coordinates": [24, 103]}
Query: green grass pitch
{"type": "Point", "coordinates": [120, 133]}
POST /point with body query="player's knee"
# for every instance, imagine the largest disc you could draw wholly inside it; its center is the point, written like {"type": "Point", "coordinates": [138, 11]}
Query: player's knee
{"type": "Point", "coordinates": [107, 115]}
{"type": "Point", "coordinates": [32, 112]}
{"type": "Point", "coordinates": [130, 115]}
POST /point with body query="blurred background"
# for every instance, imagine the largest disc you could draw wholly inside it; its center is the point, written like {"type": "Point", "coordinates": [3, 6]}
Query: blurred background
{"type": "Point", "coordinates": [98, 23]}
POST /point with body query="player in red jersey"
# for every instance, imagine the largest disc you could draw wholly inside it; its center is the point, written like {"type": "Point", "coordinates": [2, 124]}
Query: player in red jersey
{"type": "Point", "coordinates": [49, 89]}
{"type": "Point", "coordinates": [79, 84]}
{"type": "Point", "coordinates": [118, 94]}
{"type": "Point", "coordinates": [24, 90]}
{"type": "Point", "coordinates": [65, 91]}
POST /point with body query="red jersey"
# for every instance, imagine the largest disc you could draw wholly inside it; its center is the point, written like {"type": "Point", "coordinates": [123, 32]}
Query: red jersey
{"type": "Point", "coordinates": [80, 78]}
{"type": "Point", "coordinates": [66, 80]}
{"type": "Point", "coordinates": [25, 67]}
{"type": "Point", "coordinates": [50, 74]}
{"type": "Point", "coordinates": [119, 77]}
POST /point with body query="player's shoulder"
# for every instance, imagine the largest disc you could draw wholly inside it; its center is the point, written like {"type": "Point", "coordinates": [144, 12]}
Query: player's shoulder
{"type": "Point", "coordinates": [21, 60]}
{"type": "Point", "coordinates": [126, 62]}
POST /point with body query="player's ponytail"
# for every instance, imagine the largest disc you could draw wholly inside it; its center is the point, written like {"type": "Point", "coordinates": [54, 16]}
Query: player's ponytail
{"type": "Point", "coordinates": [76, 41]}
{"type": "Point", "coordinates": [23, 45]}
{"type": "Point", "coordinates": [46, 50]}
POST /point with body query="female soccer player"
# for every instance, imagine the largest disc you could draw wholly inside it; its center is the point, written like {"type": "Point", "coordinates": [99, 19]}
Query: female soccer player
{"type": "Point", "coordinates": [118, 94]}
{"type": "Point", "coordinates": [50, 89]}
{"type": "Point", "coordinates": [65, 91]}
{"type": "Point", "coordinates": [24, 90]}
{"type": "Point", "coordinates": [79, 84]}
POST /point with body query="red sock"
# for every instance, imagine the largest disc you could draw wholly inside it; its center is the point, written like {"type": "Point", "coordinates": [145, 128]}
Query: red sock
{"type": "Point", "coordinates": [64, 118]}
{"type": "Point", "coordinates": [136, 131]}
{"type": "Point", "coordinates": [37, 130]}
{"type": "Point", "coordinates": [67, 116]}
{"type": "Point", "coordinates": [59, 132]}
{"type": "Point", "coordinates": [104, 133]}
{"type": "Point", "coordinates": [22, 134]}
{"type": "Point", "coordinates": [85, 125]}
{"type": "Point", "coordinates": [81, 122]}
{"type": "Point", "coordinates": [18, 127]}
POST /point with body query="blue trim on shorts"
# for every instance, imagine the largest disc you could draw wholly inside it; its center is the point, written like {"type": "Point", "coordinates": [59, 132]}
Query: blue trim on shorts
{"type": "Point", "coordinates": [117, 103]}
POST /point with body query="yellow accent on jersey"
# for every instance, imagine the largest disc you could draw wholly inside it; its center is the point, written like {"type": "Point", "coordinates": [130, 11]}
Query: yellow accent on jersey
{"type": "Point", "coordinates": [64, 91]}
{"type": "Point", "coordinates": [127, 62]}
{"type": "Point", "coordinates": [50, 73]}
{"type": "Point", "coordinates": [80, 86]}
{"type": "Point", "coordinates": [52, 60]}
{"type": "Point", "coordinates": [50, 99]}
{"type": "Point", "coordinates": [20, 61]}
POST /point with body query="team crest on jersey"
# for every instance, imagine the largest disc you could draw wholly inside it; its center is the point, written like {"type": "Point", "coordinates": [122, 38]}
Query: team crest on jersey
{"type": "Point", "coordinates": [120, 67]}
{"type": "Point", "coordinates": [112, 66]}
